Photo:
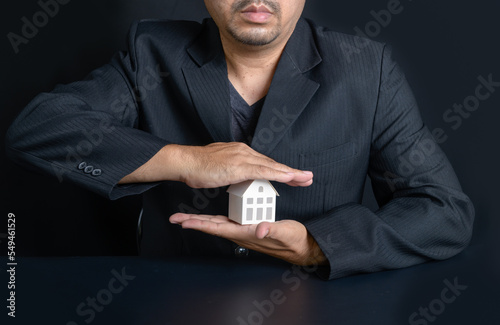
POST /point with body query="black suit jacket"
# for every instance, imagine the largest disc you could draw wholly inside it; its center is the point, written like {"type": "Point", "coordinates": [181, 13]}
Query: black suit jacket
{"type": "Point", "coordinates": [338, 105]}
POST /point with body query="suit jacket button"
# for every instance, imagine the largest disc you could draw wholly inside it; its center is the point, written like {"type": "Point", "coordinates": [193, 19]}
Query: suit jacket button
{"type": "Point", "coordinates": [82, 165]}
{"type": "Point", "coordinates": [96, 172]}
{"type": "Point", "coordinates": [241, 251]}
{"type": "Point", "coordinates": [88, 169]}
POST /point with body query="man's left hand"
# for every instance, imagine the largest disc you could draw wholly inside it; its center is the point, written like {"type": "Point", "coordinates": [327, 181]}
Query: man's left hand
{"type": "Point", "coordinates": [288, 240]}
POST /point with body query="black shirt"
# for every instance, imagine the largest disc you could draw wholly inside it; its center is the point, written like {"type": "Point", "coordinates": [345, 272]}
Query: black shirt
{"type": "Point", "coordinates": [245, 117]}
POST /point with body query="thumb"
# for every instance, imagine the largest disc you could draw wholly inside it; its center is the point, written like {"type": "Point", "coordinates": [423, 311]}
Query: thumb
{"type": "Point", "coordinates": [263, 230]}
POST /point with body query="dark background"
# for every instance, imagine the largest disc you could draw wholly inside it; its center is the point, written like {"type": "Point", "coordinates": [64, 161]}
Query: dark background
{"type": "Point", "coordinates": [443, 46]}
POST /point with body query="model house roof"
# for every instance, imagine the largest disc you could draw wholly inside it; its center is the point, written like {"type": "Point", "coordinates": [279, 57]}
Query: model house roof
{"type": "Point", "coordinates": [241, 188]}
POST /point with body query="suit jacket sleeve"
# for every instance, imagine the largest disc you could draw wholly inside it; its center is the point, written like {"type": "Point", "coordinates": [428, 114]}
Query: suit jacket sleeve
{"type": "Point", "coordinates": [85, 132]}
{"type": "Point", "coordinates": [423, 214]}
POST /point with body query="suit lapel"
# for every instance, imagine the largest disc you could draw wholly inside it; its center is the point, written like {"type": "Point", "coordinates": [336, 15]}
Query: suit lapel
{"type": "Point", "coordinates": [209, 90]}
{"type": "Point", "coordinates": [289, 94]}
{"type": "Point", "coordinates": [208, 83]}
{"type": "Point", "coordinates": [290, 90]}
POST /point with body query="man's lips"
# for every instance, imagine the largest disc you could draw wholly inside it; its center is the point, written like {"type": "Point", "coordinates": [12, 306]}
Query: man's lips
{"type": "Point", "coordinates": [257, 9]}
{"type": "Point", "coordinates": [257, 14]}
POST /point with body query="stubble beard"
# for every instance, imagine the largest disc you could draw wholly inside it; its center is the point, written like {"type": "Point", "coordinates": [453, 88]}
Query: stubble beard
{"type": "Point", "coordinates": [258, 35]}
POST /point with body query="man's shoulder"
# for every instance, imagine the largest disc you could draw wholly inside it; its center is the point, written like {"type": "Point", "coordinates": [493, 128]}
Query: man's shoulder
{"type": "Point", "coordinates": [326, 34]}
{"type": "Point", "coordinates": [344, 46]}
{"type": "Point", "coordinates": [161, 28]}
{"type": "Point", "coordinates": [164, 34]}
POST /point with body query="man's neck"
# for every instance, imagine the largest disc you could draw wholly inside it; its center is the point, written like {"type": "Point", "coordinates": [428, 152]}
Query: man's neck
{"type": "Point", "coordinates": [251, 68]}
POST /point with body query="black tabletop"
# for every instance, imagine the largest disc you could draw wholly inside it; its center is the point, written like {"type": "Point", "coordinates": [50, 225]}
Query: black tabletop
{"type": "Point", "coordinates": [133, 290]}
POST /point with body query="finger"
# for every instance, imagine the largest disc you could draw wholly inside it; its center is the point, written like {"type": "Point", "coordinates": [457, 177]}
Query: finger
{"type": "Point", "coordinates": [262, 230]}
{"type": "Point", "coordinates": [300, 183]}
{"type": "Point", "coordinates": [205, 226]}
{"type": "Point", "coordinates": [299, 176]}
{"type": "Point", "coordinates": [217, 225]}
{"type": "Point", "coordinates": [294, 184]}
{"type": "Point", "coordinates": [279, 230]}
{"type": "Point", "coordinates": [282, 167]}
{"type": "Point", "coordinates": [255, 157]}
{"type": "Point", "coordinates": [179, 218]}
{"type": "Point", "coordinates": [263, 167]}
{"type": "Point", "coordinates": [214, 219]}
{"type": "Point", "coordinates": [271, 174]}
{"type": "Point", "coordinates": [303, 176]}
{"type": "Point", "coordinates": [269, 162]}
{"type": "Point", "coordinates": [229, 230]}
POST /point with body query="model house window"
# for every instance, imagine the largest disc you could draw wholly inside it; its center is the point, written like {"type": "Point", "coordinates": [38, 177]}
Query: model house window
{"type": "Point", "coordinates": [249, 214]}
{"type": "Point", "coordinates": [261, 189]}
{"type": "Point", "coordinates": [259, 213]}
{"type": "Point", "coordinates": [260, 200]}
{"type": "Point", "coordinates": [269, 213]}
{"type": "Point", "coordinates": [250, 200]}
{"type": "Point", "coordinates": [269, 200]}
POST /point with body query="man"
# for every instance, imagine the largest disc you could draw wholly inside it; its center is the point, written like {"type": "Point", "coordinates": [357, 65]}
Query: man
{"type": "Point", "coordinates": [256, 93]}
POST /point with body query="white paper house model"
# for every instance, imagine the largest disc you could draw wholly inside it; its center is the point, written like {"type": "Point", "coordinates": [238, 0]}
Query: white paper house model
{"type": "Point", "coordinates": [252, 202]}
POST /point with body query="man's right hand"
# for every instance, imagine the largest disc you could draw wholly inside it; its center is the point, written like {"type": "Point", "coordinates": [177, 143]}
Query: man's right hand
{"type": "Point", "coordinates": [215, 165]}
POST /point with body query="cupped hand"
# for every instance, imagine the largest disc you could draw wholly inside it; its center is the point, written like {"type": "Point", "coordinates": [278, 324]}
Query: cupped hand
{"type": "Point", "coordinates": [288, 240]}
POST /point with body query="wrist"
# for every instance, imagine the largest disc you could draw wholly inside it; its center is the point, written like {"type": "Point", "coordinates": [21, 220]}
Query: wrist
{"type": "Point", "coordinates": [174, 161]}
{"type": "Point", "coordinates": [316, 255]}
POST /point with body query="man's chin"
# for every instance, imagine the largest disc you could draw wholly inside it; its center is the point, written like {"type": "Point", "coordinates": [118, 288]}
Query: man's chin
{"type": "Point", "coordinates": [255, 38]}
